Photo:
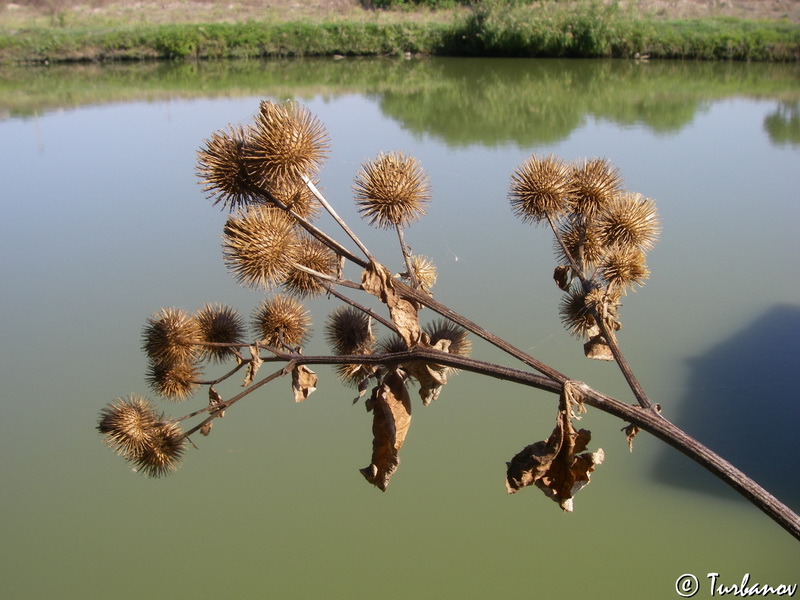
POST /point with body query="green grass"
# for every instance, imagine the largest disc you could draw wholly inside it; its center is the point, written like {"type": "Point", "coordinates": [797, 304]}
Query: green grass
{"type": "Point", "coordinates": [491, 28]}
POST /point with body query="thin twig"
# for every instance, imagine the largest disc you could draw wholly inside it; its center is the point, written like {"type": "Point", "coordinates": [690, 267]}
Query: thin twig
{"type": "Point", "coordinates": [337, 218]}
{"type": "Point", "coordinates": [438, 307]}
{"type": "Point", "coordinates": [383, 321]}
{"type": "Point", "coordinates": [622, 363]}
{"type": "Point", "coordinates": [315, 231]}
{"type": "Point", "coordinates": [608, 335]}
{"type": "Point", "coordinates": [328, 278]}
{"type": "Point", "coordinates": [412, 276]}
{"type": "Point", "coordinates": [227, 375]}
{"type": "Point", "coordinates": [231, 401]}
{"type": "Point", "coordinates": [572, 262]}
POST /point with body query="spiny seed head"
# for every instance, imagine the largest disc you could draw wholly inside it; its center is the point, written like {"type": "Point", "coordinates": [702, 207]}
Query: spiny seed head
{"type": "Point", "coordinates": [596, 183]}
{"type": "Point", "coordinates": [353, 374]}
{"type": "Point", "coordinates": [605, 302]}
{"type": "Point", "coordinates": [424, 271]}
{"type": "Point", "coordinates": [392, 190]}
{"type": "Point", "coordinates": [295, 194]}
{"type": "Point", "coordinates": [259, 246]}
{"type": "Point", "coordinates": [315, 255]}
{"type": "Point", "coordinates": [624, 267]}
{"type": "Point", "coordinates": [132, 428]}
{"type": "Point", "coordinates": [171, 336]}
{"type": "Point", "coordinates": [575, 314]}
{"type": "Point", "coordinates": [394, 343]}
{"type": "Point", "coordinates": [219, 324]}
{"type": "Point", "coordinates": [540, 188]}
{"type": "Point", "coordinates": [174, 381]}
{"type": "Point", "coordinates": [163, 454]}
{"type": "Point", "coordinates": [127, 424]}
{"type": "Point", "coordinates": [281, 321]}
{"type": "Point", "coordinates": [442, 329]}
{"type": "Point", "coordinates": [221, 167]}
{"type": "Point", "coordinates": [582, 242]}
{"type": "Point", "coordinates": [349, 331]}
{"type": "Point", "coordinates": [287, 141]}
{"type": "Point", "coordinates": [629, 220]}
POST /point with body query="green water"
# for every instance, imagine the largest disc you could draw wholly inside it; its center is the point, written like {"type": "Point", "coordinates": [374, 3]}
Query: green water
{"type": "Point", "coordinates": [104, 222]}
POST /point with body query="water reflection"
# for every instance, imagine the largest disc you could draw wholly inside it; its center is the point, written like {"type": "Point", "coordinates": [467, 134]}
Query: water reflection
{"type": "Point", "coordinates": [460, 101]}
{"type": "Point", "coordinates": [729, 411]}
{"type": "Point", "coordinates": [783, 126]}
{"type": "Point", "coordinates": [104, 223]}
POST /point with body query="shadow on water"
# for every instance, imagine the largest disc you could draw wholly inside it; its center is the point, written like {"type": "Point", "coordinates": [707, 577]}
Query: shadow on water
{"type": "Point", "coordinates": [742, 402]}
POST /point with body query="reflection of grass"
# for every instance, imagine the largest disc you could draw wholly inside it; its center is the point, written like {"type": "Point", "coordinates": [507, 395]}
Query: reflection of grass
{"type": "Point", "coordinates": [493, 101]}
{"type": "Point", "coordinates": [492, 28]}
{"type": "Point", "coordinates": [485, 101]}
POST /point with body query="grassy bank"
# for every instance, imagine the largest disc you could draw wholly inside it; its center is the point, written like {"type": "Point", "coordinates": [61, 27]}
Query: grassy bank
{"type": "Point", "coordinates": [585, 29]}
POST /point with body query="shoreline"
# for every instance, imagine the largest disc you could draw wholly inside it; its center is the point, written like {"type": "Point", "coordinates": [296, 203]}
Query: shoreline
{"type": "Point", "coordinates": [581, 29]}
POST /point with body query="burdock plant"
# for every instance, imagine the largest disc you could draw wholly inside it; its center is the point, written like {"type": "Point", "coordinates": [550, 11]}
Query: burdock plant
{"type": "Point", "coordinates": [264, 173]}
{"type": "Point", "coordinates": [134, 429]}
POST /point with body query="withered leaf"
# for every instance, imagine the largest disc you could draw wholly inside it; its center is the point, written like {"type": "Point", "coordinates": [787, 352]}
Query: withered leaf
{"type": "Point", "coordinates": [562, 276]}
{"type": "Point", "coordinates": [214, 401]}
{"type": "Point", "coordinates": [253, 366]}
{"type": "Point", "coordinates": [597, 349]}
{"type": "Point", "coordinates": [630, 433]}
{"type": "Point", "coordinates": [377, 280]}
{"type": "Point", "coordinates": [391, 416]}
{"type": "Point", "coordinates": [205, 429]}
{"type": "Point", "coordinates": [304, 382]}
{"type": "Point", "coordinates": [631, 430]}
{"type": "Point", "coordinates": [555, 465]}
{"type": "Point", "coordinates": [362, 389]}
{"type": "Point", "coordinates": [431, 376]}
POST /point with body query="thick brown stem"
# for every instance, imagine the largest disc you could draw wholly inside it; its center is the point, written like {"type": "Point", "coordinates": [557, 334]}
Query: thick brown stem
{"type": "Point", "coordinates": [644, 419]}
{"type": "Point", "coordinates": [438, 307]}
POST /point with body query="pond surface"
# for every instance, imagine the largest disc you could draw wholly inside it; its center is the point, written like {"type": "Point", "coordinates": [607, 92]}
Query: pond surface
{"type": "Point", "coordinates": [104, 223]}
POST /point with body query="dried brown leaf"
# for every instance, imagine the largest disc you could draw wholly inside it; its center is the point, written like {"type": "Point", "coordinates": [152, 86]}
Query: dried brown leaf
{"type": "Point", "coordinates": [631, 430]}
{"type": "Point", "coordinates": [630, 433]}
{"type": "Point", "coordinates": [598, 349]}
{"type": "Point", "coordinates": [555, 465]}
{"type": "Point", "coordinates": [253, 366]}
{"type": "Point", "coordinates": [362, 389]}
{"type": "Point", "coordinates": [431, 376]}
{"type": "Point", "coordinates": [563, 277]}
{"type": "Point", "coordinates": [377, 280]}
{"type": "Point", "coordinates": [391, 416]}
{"type": "Point", "coordinates": [214, 401]}
{"type": "Point", "coordinates": [304, 382]}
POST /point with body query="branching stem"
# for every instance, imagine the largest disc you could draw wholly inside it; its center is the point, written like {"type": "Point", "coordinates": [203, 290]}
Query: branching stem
{"type": "Point", "coordinates": [412, 276]}
{"type": "Point", "coordinates": [608, 335]}
{"type": "Point", "coordinates": [646, 420]}
{"type": "Point", "coordinates": [231, 401]}
{"type": "Point", "coordinates": [383, 321]}
{"type": "Point", "coordinates": [337, 218]}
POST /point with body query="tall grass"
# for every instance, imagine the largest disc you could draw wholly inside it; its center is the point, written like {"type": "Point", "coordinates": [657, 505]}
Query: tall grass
{"type": "Point", "coordinates": [490, 28]}
{"type": "Point", "coordinates": [508, 28]}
